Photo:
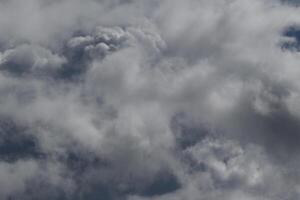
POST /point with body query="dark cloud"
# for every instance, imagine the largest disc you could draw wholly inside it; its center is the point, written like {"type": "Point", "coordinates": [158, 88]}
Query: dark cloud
{"type": "Point", "coordinates": [291, 2]}
{"type": "Point", "coordinates": [29, 59]}
{"type": "Point", "coordinates": [16, 143]}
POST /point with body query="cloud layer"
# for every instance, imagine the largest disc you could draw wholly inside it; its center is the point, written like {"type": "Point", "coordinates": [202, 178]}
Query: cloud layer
{"type": "Point", "coordinates": [146, 100]}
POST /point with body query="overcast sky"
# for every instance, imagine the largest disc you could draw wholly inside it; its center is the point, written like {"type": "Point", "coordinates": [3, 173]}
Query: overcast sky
{"type": "Point", "coordinates": [149, 100]}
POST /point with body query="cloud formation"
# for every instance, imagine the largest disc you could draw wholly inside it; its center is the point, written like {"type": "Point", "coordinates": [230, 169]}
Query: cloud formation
{"type": "Point", "coordinates": [140, 100]}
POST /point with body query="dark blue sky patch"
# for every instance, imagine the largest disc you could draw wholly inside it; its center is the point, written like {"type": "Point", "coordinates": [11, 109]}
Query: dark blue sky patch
{"type": "Point", "coordinates": [294, 34]}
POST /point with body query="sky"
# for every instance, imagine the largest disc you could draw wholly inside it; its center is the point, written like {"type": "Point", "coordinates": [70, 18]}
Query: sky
{"type": "Point", "coordinates": [149, 100]}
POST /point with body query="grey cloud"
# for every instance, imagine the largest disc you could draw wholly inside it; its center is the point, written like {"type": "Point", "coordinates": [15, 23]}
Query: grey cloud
{"type": "Point", "coordinates": [149, 100]}
{"type": "Point", "coordinates": [102, 41]}
{"type": "Point", "coordinates": [30, 59]}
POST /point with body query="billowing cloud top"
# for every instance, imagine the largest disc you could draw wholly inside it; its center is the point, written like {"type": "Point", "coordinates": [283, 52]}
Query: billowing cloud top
{"type": "Point", "coordinates": [148, 100]}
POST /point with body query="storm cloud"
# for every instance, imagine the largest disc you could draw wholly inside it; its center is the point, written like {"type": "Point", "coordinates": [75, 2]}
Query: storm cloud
{"type": "Point", "coordinates": [147, 100]}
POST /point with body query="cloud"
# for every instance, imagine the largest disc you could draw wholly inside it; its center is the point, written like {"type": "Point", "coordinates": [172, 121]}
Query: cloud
{"type": "Point", "coordinates": [29, 59]}
{"type": "Point", "coordinates": [144, 100]}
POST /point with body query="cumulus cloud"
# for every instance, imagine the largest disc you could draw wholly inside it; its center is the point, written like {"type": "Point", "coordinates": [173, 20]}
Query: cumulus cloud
{"type": "Point", "coordinates": [140, 100]}
{"type": "Point", "coordinates": [29, 59]}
